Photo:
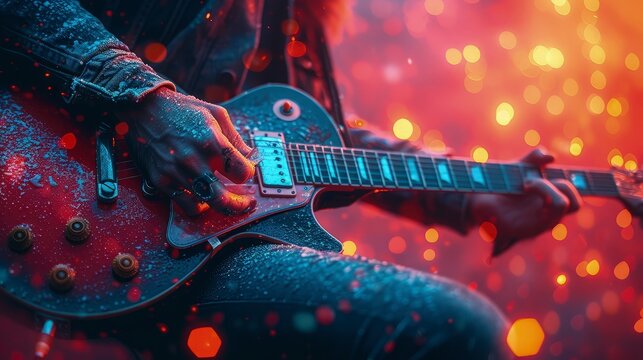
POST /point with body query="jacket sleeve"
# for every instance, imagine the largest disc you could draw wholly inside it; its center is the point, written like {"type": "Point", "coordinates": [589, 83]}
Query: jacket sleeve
{"type": "Point", "coordinates": [59, 42]}
{"type": "Point", "coordinates": [428, 208]}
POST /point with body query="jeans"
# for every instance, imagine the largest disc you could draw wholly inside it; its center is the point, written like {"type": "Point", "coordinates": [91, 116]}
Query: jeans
{"type": "Point", "coordinates": [268, 301]}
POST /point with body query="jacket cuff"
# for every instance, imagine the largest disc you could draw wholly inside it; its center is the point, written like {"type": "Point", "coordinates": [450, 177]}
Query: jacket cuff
{"type": "Point", "coordinates": [114, 77]}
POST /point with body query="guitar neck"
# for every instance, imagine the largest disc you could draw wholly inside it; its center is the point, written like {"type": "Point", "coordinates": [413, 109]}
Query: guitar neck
{"type": "Point", "coordinates": [370, 169]}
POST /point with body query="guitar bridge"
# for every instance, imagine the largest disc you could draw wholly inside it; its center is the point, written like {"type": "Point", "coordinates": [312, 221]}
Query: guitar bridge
{"type": "Point", "coordinates": [274, 173]}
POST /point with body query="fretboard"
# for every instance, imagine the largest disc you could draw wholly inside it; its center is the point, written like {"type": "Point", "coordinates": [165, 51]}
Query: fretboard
{"type": "Point", "coordinates": [359, 168]}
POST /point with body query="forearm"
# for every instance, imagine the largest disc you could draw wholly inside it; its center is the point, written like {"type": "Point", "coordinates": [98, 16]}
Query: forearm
{"type": "Point", "coordinates": [428, 208]}
{"type": "Point", "coordinates": [63, 45]}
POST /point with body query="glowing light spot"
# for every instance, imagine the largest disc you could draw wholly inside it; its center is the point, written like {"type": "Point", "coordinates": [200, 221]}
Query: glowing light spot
{"type": "Point", "coordinates": [630, 165]}
{"type": "Point", "coordinates": [290, 27]}
{"type": "Point", "coordinates": [471, 53]}
{"type": "Point", "coordinates": [624, 218]}
{"type": "Point", "coordinates": [488, 231]}
{"type": "Point", "coordinates": [555, 105]}
{"type": "Point", "coordinates": [570, 87]}
{"type": "Point", "coordinates": [525, 337]}
{"type": "Point", "coordinates": [593, 267]}
{"type": "Point", "coordinates": [305, 322]}
{"type": "Point", "coordinates": [581, 269]}
{"type": "Point", "coordinates": [597, 55]}
{"type": "Point", "coordinates": [563, 9]}
{"type": "Point", "coordinates": [349, 248]}
{"type": "Point", "coordinates": [539, 55]}
{"type": "Point", "coordinates": [504, 114]}
{"type": "Point", "coordinates": [561, 279]}
{"type": "Point", "coordinates": [453, 56]}
{"type": "Point", "coordinates": [432, 235]}
{"type": "Point", "coordinates": [507, 40]}
{"type": "Point", "coordinates": [517, 265]}
{"type": "Point", "coordinates": [473, 86]}
{"type": "Point", "coordinates": [595, 104]}
{"type": "Point", "coordinates": [429, 254]}
{"type": "Point", "coordinates": [592, 5]}
{"type": "Point", "coordinates": [559, 232]}
{"type": "Point", "coordinates": [296, 48]}
{"type": "Point", "coordinates": [397, 245]}
{"type": "Point", "coordinates": [632, 62]}
{"type": "Point", "coordinates": [559, 2]}
{"type": "Point", "coordinates": [434, 7]}
{"type": "Point", "coordinates": [531, 94]}
{"type": "Point", "coordinates": [325, 315]}
{"type": "Point", "coordinates": [532, 137]}
{"type": "Point", "coordinates": [121, 128]}
{"type": "Point", "coordinates": [614, 107]}
{"type": "Point", "coordinates": [616, 160]}
{"type": "Point", "coordinates": [155, 52]}
{"type": "Point", "coordinates": [555, 58]}
{"type": "Point", "coordinates": [204, 342]}
{"type": "Point", "coordinates": [480, 154]}
{"type": "Point", "coordinates": [622, 270]}
{"type": "Point", "coordinates": [598, 80]}
{"type": "Point", "coordinates": [638, 326]}
{"type": "Point", "coordinates": [68, 141]}
{"type": "Point", "coordinates": [403, 128]}
{"type": "Point", "coordinates": [593, 311]}
{"type": "Point", "coordinates": [591, 34]}
{"type": "Point", "coordinates": [576, 146]}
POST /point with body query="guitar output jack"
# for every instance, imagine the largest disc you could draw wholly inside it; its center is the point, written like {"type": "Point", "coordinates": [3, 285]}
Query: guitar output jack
{"type": "Point", "coordinates": [77, 230]}
{"type": "Point", "coordinates": [20, 238]}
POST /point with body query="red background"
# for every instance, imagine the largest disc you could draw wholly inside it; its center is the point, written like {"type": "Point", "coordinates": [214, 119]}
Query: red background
{"type": "Point", "coordinates": [392, 64]}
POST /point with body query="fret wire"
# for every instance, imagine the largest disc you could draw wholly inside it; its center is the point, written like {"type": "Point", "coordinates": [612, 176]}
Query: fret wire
{"type": "Point", "coordinates": [379, 168]}
{"type": "Point", "coordinates": [408, 175]}
{"type": "Point", "coordinates": [390, 158]}
{"type": "Point", "coordinates": [368, 174]}
{"type": "Point", "coordinates": [345, 166]}
{"type": "Point", "coordinates": [417, 163]}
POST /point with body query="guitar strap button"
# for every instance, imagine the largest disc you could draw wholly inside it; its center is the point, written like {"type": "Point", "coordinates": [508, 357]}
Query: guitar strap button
{"type": "Point", "coordinates": [77, 230]}
{"type": "Point", "coordinates": [20, 238]}
{"type": "Point", "coordinates": [61, 277]}
{"type": "Point", "coordinates": [125, 266]}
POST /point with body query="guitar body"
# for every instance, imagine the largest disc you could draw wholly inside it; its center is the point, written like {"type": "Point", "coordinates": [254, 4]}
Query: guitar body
{"type": "Point", "coordinates": [48, 176]}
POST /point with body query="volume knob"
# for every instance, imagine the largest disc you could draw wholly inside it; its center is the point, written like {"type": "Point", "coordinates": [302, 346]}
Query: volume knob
{"type": "Point", "coordinates": [20, 238]}
{"type": "Point", "coordinates": [125, 266]}
{"type": "Point", "coordinates": [61, 277]}
{"type": "Point", "coordinates": [77, 230]}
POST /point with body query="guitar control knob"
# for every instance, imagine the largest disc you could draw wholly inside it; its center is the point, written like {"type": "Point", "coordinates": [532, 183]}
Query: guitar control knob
{"type": "Point", "coordinates": [20, 238]}
{"type": "Point", "coordinates": [77, 230]}
{"type": "Point", "coordinates": [61, 278]}
{"type": "Point", "coordinates": [125, 266]}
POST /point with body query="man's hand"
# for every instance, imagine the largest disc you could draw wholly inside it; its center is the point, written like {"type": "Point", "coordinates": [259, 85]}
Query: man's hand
{"type": "Point", "coordinates": [178, 138]}
{"type": "Point", "coordinates": [524, 216]}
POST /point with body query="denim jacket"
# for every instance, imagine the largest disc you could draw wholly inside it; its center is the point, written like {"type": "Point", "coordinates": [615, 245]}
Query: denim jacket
{"type": "Point", "coordinates": [106, 53]}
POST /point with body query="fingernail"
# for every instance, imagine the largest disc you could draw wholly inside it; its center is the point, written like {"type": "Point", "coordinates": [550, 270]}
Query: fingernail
{"type": "Point", "coordinates": [251, 207]}
{"type": "Point", "coordinates": [254, 156]}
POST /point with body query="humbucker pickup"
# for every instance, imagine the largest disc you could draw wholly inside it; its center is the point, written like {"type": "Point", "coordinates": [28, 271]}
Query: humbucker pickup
{"type": "Point", "coordinates": [275, 176]}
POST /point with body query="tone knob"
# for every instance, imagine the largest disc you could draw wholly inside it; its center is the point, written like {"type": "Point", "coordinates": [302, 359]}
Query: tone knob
{"type": "Point", "coordinates": [61, 277]}
{"type": "Point", "coordinates": [125, 266]}
{"type": "Point", "coordinates": [77, 230]}
{"type": "Point", "coordinates": [20, 238]}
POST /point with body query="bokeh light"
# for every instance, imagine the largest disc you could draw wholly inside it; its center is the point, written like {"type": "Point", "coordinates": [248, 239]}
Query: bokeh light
{"type": "Point", "coordinates": [525, 337]}
{"type": "Point", "coordinates": [504, 113]}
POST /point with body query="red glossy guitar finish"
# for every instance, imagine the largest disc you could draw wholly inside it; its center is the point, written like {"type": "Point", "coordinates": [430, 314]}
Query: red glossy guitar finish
{"type": "Point", "coordinates": [47, 177]}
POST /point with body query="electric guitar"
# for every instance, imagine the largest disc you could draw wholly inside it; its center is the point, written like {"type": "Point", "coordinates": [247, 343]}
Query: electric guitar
{"type": "Point", "coordinates": [82, 241]}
